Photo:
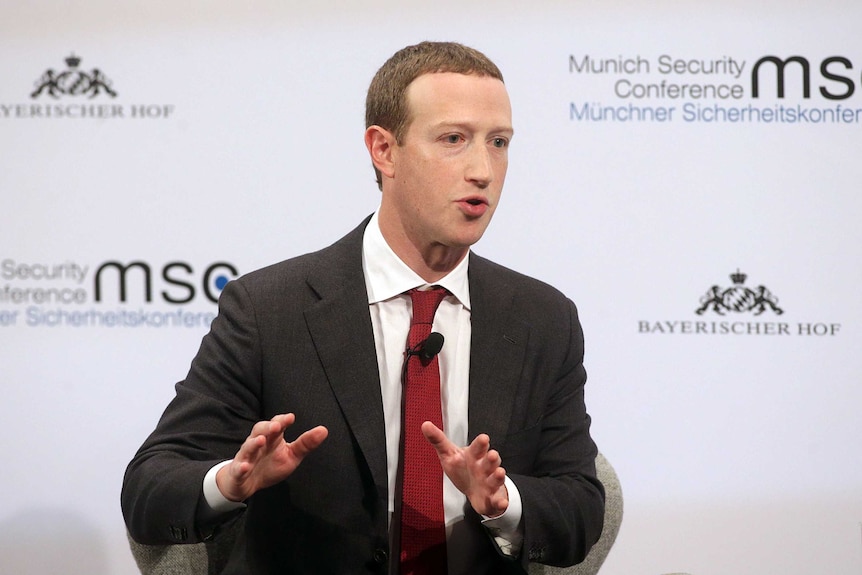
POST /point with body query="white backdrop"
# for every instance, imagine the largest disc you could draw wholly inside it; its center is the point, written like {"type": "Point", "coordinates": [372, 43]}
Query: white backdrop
{"type": "Point", "coordinates": [235, 137]}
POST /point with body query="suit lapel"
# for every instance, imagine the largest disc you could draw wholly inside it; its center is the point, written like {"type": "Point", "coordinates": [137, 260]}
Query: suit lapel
{"type": "Point", "coordinates": [340, 327]}
{"type": "Point", "coordinates": [497, 351]}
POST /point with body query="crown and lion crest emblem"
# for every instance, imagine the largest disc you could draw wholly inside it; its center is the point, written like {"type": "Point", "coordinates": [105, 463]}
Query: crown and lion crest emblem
{"type": "Point", "coordinates": [73, 81]}
{"type": "Point", "coordinates": [738, 298]}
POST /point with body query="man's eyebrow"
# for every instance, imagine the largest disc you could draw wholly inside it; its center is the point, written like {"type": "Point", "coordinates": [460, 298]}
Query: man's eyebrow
{"type": "Point", "coordinates": [470, 126]}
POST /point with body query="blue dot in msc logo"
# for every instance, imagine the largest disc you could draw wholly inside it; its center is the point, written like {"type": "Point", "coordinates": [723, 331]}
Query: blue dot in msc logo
{"type": "Point", "coordinates": [216, 277]}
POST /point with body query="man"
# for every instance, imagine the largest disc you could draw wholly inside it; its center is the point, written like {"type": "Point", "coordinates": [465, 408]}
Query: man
{"type": "Point", "coordinates": [292, 411]}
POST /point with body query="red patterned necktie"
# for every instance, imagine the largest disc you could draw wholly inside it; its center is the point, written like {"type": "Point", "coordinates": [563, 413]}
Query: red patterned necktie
{"type": "Point", "coordinates": [423, 532]}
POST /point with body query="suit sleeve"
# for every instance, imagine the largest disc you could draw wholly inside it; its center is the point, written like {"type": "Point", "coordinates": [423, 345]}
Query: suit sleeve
{"type": "Point", "coordinates": [563, 501]}
{"type": "Point", "coordinates": [209, 418]}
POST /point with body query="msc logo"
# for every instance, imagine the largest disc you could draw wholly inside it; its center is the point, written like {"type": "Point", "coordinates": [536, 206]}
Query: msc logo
{"type": "Point", "coordinates": [738, 298]}
{"type": "Point", "coordinates": [179, 278]}
{"type": "Point", "coordinates": [832, 69]}
{"type": "Point", "coordinates": [73, 82]}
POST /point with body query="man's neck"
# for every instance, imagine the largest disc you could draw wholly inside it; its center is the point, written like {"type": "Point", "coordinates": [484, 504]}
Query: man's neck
{"type": "Point", "coordinates": [430, 261]}
{"type": "Point", "coordinates": [434, 263]}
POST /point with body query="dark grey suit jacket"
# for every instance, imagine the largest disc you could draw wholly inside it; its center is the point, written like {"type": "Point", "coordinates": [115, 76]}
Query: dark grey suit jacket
{"type": "Point", "coordinates": [297, 337]}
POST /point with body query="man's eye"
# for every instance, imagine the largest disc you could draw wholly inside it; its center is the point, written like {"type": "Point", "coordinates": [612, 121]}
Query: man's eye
{"type": "Point", "coordinates": [453, 138]}
{"type": "Point", "coordinates": [500, 142]}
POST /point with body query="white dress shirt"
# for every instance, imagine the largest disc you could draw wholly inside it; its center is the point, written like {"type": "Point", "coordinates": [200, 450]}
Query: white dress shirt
{"type": "Point", "coordinates": [387, 279]}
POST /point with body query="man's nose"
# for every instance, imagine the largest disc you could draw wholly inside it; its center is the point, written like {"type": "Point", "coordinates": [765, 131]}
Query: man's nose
{"type": "Point", "coordinates": [479, 168]}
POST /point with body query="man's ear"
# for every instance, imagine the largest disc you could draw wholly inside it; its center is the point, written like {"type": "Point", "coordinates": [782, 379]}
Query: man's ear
{"type": "Point", "coordinates": [380, 143]}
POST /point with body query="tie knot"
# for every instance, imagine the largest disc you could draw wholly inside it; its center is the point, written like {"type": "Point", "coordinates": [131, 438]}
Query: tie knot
{"type": "Point", "coordinates": [425, 304]}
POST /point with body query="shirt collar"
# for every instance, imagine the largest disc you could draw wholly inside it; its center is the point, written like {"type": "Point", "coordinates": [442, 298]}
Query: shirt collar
{"type": "Point", "coordinates": [386, 276]}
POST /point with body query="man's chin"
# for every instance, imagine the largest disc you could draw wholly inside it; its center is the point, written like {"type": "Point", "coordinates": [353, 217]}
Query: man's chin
{"type": "Point", "coordinates": [473, 232]}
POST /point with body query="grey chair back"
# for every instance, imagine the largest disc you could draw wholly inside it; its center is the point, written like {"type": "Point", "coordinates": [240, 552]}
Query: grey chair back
{"type": "Point", "coordinates": [613, 519]}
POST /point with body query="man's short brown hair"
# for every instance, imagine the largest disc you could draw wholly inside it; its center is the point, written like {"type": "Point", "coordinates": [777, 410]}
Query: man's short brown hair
{"type": "Point", "coordinates": [386, 102]}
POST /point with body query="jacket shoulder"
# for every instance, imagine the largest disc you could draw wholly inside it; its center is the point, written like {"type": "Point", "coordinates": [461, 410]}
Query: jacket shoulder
{"type": "Point", "coordinates": [340, 262]}
{"type": "Point", "coordinates": [522, 286]}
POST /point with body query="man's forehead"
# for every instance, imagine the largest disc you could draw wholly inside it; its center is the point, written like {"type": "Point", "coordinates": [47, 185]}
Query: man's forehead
{"type": "Point", "coordinates": [441, 90]}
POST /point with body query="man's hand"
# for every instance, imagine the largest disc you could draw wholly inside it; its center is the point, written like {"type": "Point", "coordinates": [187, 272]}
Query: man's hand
{"type": "Point", "coordinates": [265, 458]}
{"type": "Point", "coordinates": [475, 470]}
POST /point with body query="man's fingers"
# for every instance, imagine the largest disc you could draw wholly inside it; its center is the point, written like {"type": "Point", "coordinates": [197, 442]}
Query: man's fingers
{"type": "Point", "coordinates": [265, 458]}
{"type": "Point", "coordinates": [479, 447]}
{"type": "Point", "coordinates": [492, 459]}
{"type": "Point", "coordinates": [274, 427]}
{"type": "Point", "coordinates": [268, 436]}
{"type": "Point", "coordinates": [275, 431]}
{"type": "Point", "coordinates": [272, 431]}
{"type": "Point", "coordinates": [260, 428]}
{"type": "Point", "coordinates": [436, 437]}
{"type": "Point", "coordinates": [497, 477]}
{"type": "Point", "coordinates": [308, 441]}
{"type": "Point", "coordinates": [251, 448]}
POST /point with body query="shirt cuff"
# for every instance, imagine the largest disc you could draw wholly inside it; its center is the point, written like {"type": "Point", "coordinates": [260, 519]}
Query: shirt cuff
{"type": "Point", "coordinates": [217, 502]}
{"type": "Point", "coordinates": [506, 528]}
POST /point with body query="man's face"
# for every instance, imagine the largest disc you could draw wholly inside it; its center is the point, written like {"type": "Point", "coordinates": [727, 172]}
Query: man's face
{"type": "Point", "coordinates": [449, 168]}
